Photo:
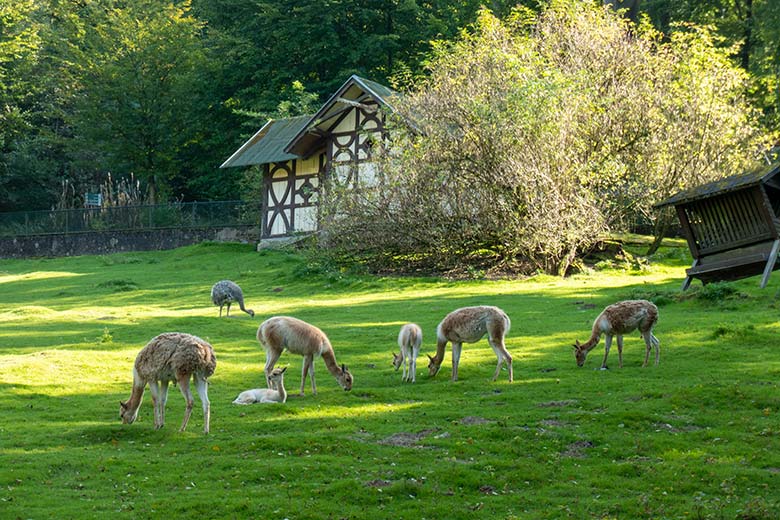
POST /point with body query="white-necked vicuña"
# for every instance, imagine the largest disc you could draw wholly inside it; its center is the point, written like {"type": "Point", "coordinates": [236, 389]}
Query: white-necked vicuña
{"type": "Point", "coordinates": [274, 394]}
{"type": "Point", "coordinates": [283, 332]}
{"type": "Point", "coordinates": [616, 320]}
{"type": "Point", "coordinates": [469, 325]}
{"type": "Point", "coordinates": [171, 356]}
{"type": "Point", "coordinates": [226, 292]}
{"type": "Point", "coordinates": [409, 341]}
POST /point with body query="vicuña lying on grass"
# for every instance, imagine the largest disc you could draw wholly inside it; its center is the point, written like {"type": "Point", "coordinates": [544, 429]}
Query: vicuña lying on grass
{"type": "Point", "coordinates": [171, 356]}
{"type": "Point", "coordinates": [409, 341]}
{"type": "Point", "coordinates": [469, 325]}
{"type": "Point", "coordinates": [226, 292]}
{"type": "Point", "coordinates": [283, 332]}
{"type": "Point", "coordinates": [274, 394]}
{"type": "Point", "coordinates": [619, 319]}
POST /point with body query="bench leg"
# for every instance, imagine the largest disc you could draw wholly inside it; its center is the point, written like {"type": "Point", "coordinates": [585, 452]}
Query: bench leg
{"type": "Point", "coordinates": [689, 279]}
{"type": "Point", "coordinates": [770, 263]}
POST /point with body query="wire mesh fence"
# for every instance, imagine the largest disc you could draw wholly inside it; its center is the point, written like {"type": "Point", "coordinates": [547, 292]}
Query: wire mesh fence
{"type": "Point", "coordinates": [230, 213]}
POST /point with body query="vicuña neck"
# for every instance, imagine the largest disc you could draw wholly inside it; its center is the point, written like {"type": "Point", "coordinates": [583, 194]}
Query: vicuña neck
{"type": "Point", "coordinates": [440, 346]}
{"type": "Point", "coordinates": [592, 342]}
{"type": "Point", "coordinates": [330, 361]}
{"type": "Point", "coordinates": [136, 396]}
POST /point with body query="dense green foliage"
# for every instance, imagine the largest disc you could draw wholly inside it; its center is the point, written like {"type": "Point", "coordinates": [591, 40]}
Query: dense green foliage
{"type": "Point", "coordinates": [695, 437]}
{"type": "Point", "coordinates": [162, 89]}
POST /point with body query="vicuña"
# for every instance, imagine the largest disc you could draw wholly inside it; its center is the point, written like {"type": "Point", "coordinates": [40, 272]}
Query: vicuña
{"type": "Point", "coordinates": [616, 320]}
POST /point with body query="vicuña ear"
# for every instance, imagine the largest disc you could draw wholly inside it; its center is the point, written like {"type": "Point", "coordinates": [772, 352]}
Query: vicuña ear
{"type": "Point", "coordinates": [123, 404]}
{"type": "Point", "coordinates": [284, 370]}
{"type": "Point", "coordinates": [429, 357]}
{"type": "Point", "coordinates": [344, 368]}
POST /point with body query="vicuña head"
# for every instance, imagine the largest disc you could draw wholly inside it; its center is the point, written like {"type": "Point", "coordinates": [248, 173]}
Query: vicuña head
{"type": "Point", "coordinates": [433, 365]}
{"type": "Point", "coordinates": [579, 353]}
{"type": "Point", "coordinates": [397, 360]}
{"type": "Point", "coordinates": [345, 379]}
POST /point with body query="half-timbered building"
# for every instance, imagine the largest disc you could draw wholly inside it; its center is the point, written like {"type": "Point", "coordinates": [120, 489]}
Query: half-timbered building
{"type": "Point", "coordinates": [298, 154]}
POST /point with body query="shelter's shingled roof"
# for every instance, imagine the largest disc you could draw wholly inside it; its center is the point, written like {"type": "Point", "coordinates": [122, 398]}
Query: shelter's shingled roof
{"type": "Point", "coordinates": [724, 185]}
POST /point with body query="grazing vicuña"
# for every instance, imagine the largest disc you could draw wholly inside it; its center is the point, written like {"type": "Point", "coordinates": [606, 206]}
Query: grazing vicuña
{"type": "Point", "coordinates": [619, 319]}
{"type": "Point", "coordinates": [171, 356]}
{"type": "Point", "coordinates": [409, 341]}
{"type": "Point", "coordinates": [469, 325]}
{"type": "Point", "coordinates": [283, 332]}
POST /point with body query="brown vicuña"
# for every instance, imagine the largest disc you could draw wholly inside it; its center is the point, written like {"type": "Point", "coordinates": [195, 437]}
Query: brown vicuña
{"type": "Point", "coordinates": [616, 320]}
{"type": "Point", "coordinates": [469, 325]}
{"type": "Point", "coordinates": [283, 332]}
{"type": "Point", "coordinates": [171, 356]}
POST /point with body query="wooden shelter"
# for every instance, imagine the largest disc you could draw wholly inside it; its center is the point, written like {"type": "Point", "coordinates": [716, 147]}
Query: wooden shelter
{"type": "Point", "coordinates": [297, 154]}
{"type": "Point", "coordinates": [732, 226]}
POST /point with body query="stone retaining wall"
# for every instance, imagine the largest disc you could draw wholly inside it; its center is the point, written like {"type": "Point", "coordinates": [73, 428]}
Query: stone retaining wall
{"type": "Point", "coordinates": [107, 242]}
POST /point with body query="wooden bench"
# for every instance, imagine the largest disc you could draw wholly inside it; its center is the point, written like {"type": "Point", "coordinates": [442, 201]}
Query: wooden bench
{"type": "Point", "coordinates": [735, 264]}
{"type": "Point", "coordinates": [732, 226]}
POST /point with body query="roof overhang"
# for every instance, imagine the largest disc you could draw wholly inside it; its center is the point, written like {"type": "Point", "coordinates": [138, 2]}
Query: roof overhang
{"type": "Point", "coordinates": [355, 92]}
{"type": "Point", "coordinates": [722, 186]}
{"type": "Point", "coordinates": [267, 144]}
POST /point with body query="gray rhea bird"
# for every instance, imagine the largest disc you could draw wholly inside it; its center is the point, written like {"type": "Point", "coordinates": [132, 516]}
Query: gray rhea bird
{"type": "Point", "coordinates": [226, 292]}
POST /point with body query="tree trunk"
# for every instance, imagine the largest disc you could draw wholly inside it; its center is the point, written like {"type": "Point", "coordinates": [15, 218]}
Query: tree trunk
{"type": "Point", "coordinates": [661, 226]}
{"type": "Point", "coordinates": [748, 33]}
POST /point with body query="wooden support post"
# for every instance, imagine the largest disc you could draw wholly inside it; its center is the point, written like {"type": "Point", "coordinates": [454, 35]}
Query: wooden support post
{"type": "Point", "coordinates": [770, 263]}
{"type": "Point", "coordinates": [689, 278]}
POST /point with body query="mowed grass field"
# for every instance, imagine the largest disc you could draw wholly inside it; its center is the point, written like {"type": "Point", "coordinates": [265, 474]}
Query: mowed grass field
{"type": "Point", "coordinates": [696, 437]}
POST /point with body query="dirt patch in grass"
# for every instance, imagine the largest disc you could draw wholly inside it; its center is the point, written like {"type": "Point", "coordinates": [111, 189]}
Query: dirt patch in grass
{"type": "Point", "coordinates": [552, 423]}
{"type": "Point", "coordinates": [406, 439]}
{"type": "Point", "coordinates": [487, 490]}
{"type": "Point", "coordinates": [666, 427]}
{"type": "Point", "coordinates": [378, 483]}
{"type": "Point", "coordinates": [557, 404]}
{"type": "Point", "coordinates": [474, 420]}
{"type": "Point", "coordinates": [577, 449]}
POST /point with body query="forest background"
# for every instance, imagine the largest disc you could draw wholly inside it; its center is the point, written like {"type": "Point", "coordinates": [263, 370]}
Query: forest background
{"type": "Point", "coordinates": [166, 91]}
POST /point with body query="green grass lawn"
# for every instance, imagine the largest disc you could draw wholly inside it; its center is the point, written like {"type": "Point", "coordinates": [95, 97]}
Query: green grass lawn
{"type": "Point", "coordinates": [696, 437]}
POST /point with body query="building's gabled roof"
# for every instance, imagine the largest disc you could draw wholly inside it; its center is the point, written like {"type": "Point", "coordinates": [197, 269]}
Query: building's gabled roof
{"type": "Point", "coordinates": [353, 91]}
{"type": "Point", "coordinates": [725, 185]}
{"type": "Point", "coordinates": [268, 144]}
{"type": "Point", "coordinates": [295, 137]}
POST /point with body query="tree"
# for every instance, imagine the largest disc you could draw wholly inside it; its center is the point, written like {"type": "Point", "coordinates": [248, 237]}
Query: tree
{"type": "Point", "coordinates": [20, 44]}
{"type": "Point", "coordinates": [753, 26]}
{"type": "Point", "coordinates": [141, 71]}
{"type": "Point", "coordinates": [531, 136]}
